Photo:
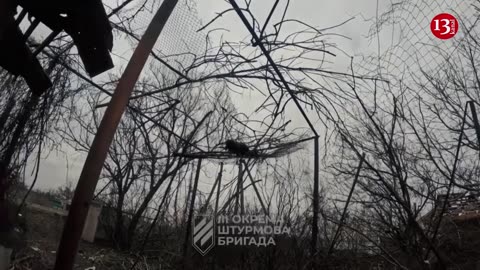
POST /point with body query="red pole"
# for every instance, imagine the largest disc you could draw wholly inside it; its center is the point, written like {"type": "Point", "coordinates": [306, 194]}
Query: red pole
{"type": "Point", "coordinates": [87, 182]}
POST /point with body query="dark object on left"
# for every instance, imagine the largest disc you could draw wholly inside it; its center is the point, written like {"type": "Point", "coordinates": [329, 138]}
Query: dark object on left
{"type": "Point", "coordinates": [84, 20]}
{"type": "Point", "coordinates": [17, 58]}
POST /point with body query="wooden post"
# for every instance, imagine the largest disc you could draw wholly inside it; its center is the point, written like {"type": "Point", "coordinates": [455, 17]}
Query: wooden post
{"type": "Point", "coordinates": [87, 182]}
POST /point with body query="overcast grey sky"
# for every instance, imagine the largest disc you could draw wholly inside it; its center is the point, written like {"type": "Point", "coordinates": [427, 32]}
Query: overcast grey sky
{"type": "Point", "coordinates": [65, 164]}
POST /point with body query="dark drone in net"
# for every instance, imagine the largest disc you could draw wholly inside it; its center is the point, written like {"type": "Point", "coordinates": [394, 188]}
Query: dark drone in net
{"type": "Point", "coordinates": [239, 148]}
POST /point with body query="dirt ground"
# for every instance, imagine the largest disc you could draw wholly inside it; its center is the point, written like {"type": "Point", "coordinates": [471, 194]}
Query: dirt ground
{"type": "Point", "coordinates": [36, 247]}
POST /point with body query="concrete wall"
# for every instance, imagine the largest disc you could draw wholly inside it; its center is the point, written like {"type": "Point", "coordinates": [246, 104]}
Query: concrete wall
{"type": "Point", "coordinates": [54, 219]}
{"type": "Point", "coordinates": [91, 223]}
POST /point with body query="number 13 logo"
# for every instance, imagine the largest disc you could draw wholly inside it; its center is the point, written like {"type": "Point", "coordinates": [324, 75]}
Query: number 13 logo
{"type": "Point", "coordinates": [444, 26]}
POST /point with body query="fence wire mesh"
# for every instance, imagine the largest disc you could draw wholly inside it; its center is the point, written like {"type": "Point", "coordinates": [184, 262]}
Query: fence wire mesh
{"type": "Point", "coordinates": [405, 42]}
{"type": "Point", "coordinates": [179, 41]}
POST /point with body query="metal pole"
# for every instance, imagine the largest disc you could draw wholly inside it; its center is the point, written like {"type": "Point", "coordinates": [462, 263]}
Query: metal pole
{"type": "Point", "coordinates": [98, 151]}
{"type": "Point", "coordinates": [210, 195]}
{"type": "Point", "coordinates": [237, 196]}
{"type": "Point", "coordinates": [256, 189]}
{"type": "Point", "coordinates": [190, 213]}
{"type": "Point", "coordinates": [266, 53]}
{"type": "Point", "coordinates": [218, 189]}
{"type": "Point", "coordinates": [240, 187]}
{"type": "Point", "coordinates": [242, 205]}
{"type": "Point", "coordinates": [313, 247]}
{"type": "Point", "coordinates": [475, 121]}
{"type": "Point", "coordinates": [344, 214]}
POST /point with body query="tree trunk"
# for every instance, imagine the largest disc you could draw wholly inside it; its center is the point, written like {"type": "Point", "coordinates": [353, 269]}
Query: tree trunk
{"type": "Point", "coordinates": [118, 235]}
{"type": "Point", "coordinates": [138, 214]}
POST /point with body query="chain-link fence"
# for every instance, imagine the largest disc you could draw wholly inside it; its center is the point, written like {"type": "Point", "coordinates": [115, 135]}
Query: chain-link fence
{"type": "Point", "coordinates": [406, 43]}
{"type": "Point", "coordinates": [179, 41]}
